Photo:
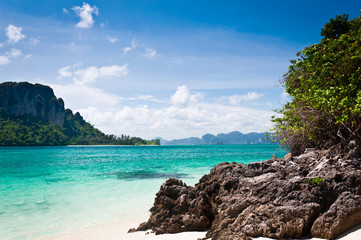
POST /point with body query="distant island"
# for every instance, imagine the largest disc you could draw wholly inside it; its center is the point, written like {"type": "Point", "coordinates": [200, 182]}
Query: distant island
{"type": "Point", "coordinates": [232, 138]}
{"type": "Point", "coordinates": [31, 115]}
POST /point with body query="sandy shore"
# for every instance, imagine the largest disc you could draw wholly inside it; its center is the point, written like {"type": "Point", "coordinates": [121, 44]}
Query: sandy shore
{"type": "Point", "coordinates": [119, 231]}
{"type": "Point", "coordinates": [353, 234]}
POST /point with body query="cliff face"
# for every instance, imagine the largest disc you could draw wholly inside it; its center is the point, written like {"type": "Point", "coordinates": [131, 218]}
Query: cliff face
{"type": "Point", "coordinates": [34, 99]}
{"type": "Point", "coordinates": [31, 115]}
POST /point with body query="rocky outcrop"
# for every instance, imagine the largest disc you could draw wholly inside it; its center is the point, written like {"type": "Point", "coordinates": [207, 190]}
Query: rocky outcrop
{"type": "Point", "coordinates": [312, 194]}
{"type": "Point", "coordinates": [342, 215]}
{"type": "Point", "coordinates": [178, 208]}
{"type": "Point", "coordinates": [34, 99]}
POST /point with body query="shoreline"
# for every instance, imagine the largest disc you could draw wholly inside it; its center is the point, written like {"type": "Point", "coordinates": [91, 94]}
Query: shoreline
{"type": "Point", "coordinates": [131, 212]}
{"type": "Point", "coordinates": [277, 198]}
{"type": "Point", "coordinates": [119, 231]}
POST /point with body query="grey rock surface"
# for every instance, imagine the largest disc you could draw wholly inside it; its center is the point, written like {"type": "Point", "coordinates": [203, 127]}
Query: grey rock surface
{"type": "Point", "coordinates": [34, 99]}
{"type": "Point", "coordinates": [311, 194]}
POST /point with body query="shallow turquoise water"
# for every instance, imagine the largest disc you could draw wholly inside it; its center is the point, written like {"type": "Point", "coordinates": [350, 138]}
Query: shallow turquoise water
{"type": "Point", "coordinates": [51, 190]}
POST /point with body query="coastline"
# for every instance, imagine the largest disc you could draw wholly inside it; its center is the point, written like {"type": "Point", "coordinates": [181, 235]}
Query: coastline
{"type": "Point", "coordinates": [96, 224]}
{"type": "Point", "coordinates": [273, 198]}
{"type": "Point", "coordinates": [119, 231]}
{"type": "Point", "coordinates": [68, 191]}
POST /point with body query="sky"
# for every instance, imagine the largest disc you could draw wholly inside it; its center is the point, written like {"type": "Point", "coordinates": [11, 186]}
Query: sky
{"type": "Point", "coordinates": [160, 68]}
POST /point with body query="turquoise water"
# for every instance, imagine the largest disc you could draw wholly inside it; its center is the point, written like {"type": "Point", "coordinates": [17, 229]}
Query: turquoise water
{"type": "Point", "coordinates": [51, 190]}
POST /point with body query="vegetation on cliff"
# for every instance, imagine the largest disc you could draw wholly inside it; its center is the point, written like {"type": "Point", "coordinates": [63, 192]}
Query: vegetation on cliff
{"type": "Point", "coordinates": [325, 86]}
{"type": "Point", "coordinates": [27, 130]}
{"type": "Point", "coordinates": [31, 115]}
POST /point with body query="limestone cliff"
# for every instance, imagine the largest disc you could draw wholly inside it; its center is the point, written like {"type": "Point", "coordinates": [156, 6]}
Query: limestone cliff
{"type": "Point", "coordinates": [31, 115]}
{"type": "Point", "coordinates": [35, 99]}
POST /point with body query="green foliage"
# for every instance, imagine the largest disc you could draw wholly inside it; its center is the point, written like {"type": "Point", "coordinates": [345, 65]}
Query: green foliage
{"type": "Point", "coordinates": [325, 86]}
{"type": "Point", "coordinates": [315, 181]}
{"type": "Point", "coordinates": [27, 130]}
{"type": "Point", "coordinates": [336, 27]}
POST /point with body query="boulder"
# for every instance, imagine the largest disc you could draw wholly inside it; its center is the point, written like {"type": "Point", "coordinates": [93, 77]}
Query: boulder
{"type": "Point", "coordinates": [178, 208]}
{"type": "Point", "coordinates": [343, 214]}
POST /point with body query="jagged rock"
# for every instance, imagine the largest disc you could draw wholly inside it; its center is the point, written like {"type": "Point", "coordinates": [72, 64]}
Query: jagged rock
{"type": "Point", "coordinates": [277, 198]}
{"type": "Point", "coordinates": [178, 208]}
{"type": "Point", "coordinates": [344, 214]}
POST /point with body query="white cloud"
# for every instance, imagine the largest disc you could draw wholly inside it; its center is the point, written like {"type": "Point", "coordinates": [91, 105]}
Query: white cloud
{"type": "Point", "coordinates": [130, 48]}
{"type": "Point", "coordinates": [65, 10]}
{"type": "Point", "coordinates": [112, 40]}
{"type": "Point", "coordinates": [90, 74]}
{"type": "Point", "coordinates": [140, 97]}
{"type": "Point", "coordinates": [126, 50]}
{"type": "Point", "coordinates": [183, 97]}
{"type": "Point", "coordinates": [150, 53]}
{"type": "Point", "coordinates": [14, 33]}
{"type": "Point", "coordinates": [8, 56]}
{"type": "Point", "coordinates": [28, 56]}
{"type": "Point", "coordinates": [34, 41]}
{"type": "Point", "coordinates": [77, 96]}
{"type": "Point", "coordinates": [4, 60]}
{"type": "Point", "coordinates": [85, 13]}
{"type": "Point", "coordinates": [86, 75]}
{"type": "Point", "coordinates": [236, 99]}
{"type": "Point", "coordinates": [14, 53]}
{"type": "Point", "coordinates": [114, 70]}
{"type": "Point", "coordinates": [193, 118]}
{"type": "Point", "coordinates": [177, 122]}
{"type": "Point", "coordinates": [64, 72]}
{"type": "Point", "coordinates": [1, 45]}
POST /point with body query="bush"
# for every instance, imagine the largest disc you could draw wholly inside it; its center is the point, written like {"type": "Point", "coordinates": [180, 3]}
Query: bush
{"type": "Point", "coordinates": [325, 86]}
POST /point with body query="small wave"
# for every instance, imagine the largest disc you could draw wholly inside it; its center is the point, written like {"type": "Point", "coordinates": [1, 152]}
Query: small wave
{"type": "Point", "coordinates": [27, 206]}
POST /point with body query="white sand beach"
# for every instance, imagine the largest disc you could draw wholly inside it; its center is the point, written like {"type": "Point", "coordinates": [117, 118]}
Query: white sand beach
{"type": "Point", "coordinates": [119, 231]}
{"type": "Point", "coordinates": [352, 234]}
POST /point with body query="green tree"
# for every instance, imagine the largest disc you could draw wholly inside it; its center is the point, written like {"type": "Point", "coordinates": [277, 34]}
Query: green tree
{"type": "Point", "coordinates": [336, 27]}
{"type": "Point", "coordinates": [325, 87]}
{"type": "Point", "coordinates": [27, 130]}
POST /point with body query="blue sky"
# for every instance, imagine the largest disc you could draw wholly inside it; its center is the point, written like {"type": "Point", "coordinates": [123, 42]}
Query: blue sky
{"type": "Point", "coordinates": [162, 68]}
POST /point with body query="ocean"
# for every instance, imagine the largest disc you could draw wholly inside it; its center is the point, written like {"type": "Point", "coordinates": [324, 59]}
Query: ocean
{"type": "Point", "coordinates": [47, 191]}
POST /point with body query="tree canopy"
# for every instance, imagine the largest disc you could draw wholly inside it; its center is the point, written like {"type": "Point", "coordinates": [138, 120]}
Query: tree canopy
{"type": "Point", "coordinates": [27, 130]}
{"type": "Point", "coordinates": [324, 83]}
